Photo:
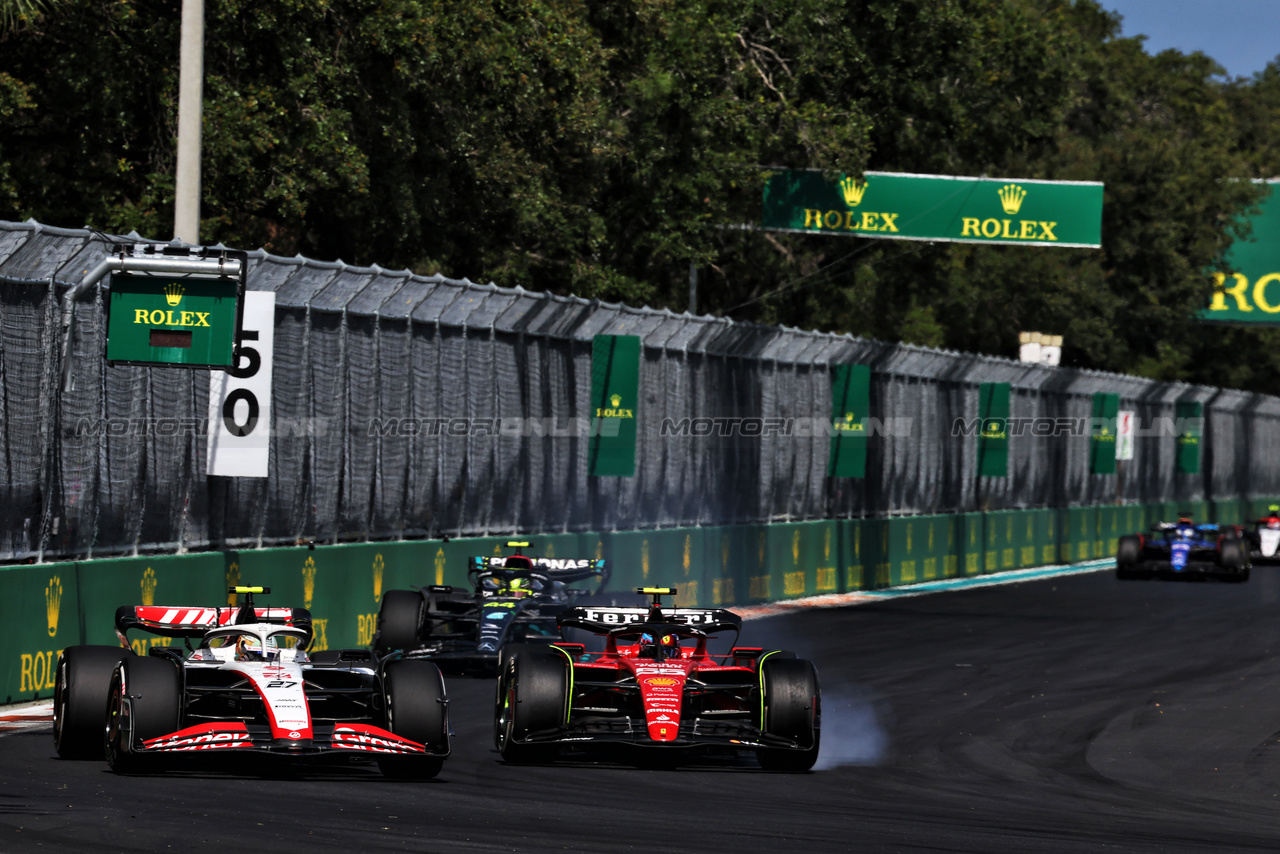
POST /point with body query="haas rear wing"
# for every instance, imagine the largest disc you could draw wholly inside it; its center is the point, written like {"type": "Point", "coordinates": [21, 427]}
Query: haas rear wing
{"type": "Point", "coordinates": [176, 622]}
{"type": "Point", "coordinates": [604, 620]}
{"type": "Point", "coordinates": [557, 569]}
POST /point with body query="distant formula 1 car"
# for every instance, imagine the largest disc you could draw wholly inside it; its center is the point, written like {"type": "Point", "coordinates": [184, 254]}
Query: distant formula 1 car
{"type": "Point", "coordinates": [1264, 539]}
{"type": "Point", "coordinates": [1184, 549]}
{"type": "Point", "coordinates": [514, 599]}
{"type": "Point", "coordinates": [249, 687]}
{"type": "Point", "coordinates": [656, 690]}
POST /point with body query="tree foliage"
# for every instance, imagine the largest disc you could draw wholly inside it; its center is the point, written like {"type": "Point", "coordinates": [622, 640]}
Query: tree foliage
{"type": "Point", "coordinates": [599, 147]}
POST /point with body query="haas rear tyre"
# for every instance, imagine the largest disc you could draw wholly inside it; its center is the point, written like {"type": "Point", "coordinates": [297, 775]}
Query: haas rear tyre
{"type": "Point", "coordinates": [1128, 555]}
{"type": "Point", "coordinates": [400, 619]}
{"type": "Point", "coordinates": [792, 710]}
{"type": "Point", "coordinates": [535, 699]}
{"type": "Point", "coordinates": [145, 702]}
{"type": "Point", "coordinates": [417, 710]}
{"type": "Point", "coordinates": [80, 693]}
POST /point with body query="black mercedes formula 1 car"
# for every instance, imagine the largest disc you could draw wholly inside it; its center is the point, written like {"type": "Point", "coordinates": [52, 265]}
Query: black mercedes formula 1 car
{"type": "Point", "coordinates": [513, 599]}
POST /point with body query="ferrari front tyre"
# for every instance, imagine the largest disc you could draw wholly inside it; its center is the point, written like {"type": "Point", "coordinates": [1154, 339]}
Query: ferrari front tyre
{"type": "Point", "coordinates": [791, 709]}
{"type": "Point", "coordinates": [536, 699]}
{"type": "Point", "coordinates": [400, 620]}
{"type": "Point", "coordinates": [416, 709]}
{"type": "Point", "coordinates": [144, 702]}
{"type": "Point", "coordinates": [505, 655]}
{"type": "Point", "coordinates": [79, 695]}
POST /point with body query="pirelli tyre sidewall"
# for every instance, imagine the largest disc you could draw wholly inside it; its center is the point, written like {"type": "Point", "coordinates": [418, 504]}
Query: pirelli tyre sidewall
{"type": "Point", "coordinates": [536, 699]}
{"type": "Point", "coordinates": [144, 702]}
{"type": "Point", "coordinates": [80, 693]}
{"type": "Point", "coordinates": [790, 708]}
{"type": "Point", "coordinates": [400, 620]}
{"type": "Point", "coordinates": [416, 708]}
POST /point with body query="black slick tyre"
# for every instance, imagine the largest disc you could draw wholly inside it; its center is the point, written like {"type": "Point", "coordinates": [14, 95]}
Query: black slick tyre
{"type": "Point", "coordinates": [79, 695]}
{"type": "Point", "coordinates": [416, 709]}
{"type": "Point", "coordinates": [1128, 556]}
{"type": "Point", "coordinates": [536, 699]}
{"type": "Point", "coordinates": [153, 687]}
{"type": "Point", "coordinates": [400, 619]}
{"type": "Point", "coordinates": [791, 700]}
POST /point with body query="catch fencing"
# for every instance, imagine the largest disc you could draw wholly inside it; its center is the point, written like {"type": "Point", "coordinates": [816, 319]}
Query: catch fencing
{"type": "Point", "coordinates": [408, 406]}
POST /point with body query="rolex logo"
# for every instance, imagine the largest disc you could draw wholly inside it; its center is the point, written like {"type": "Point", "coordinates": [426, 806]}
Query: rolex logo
{"type": "Point", "coordinates": [615, 400]}
{"type": "Point", "coordinates": [440, 566]}
{"type": "Point", "coordinates": [853, 189]}
{"type": "Point", "coordinates": [848, 417]}
{"type": "Point", "coordinates": [795, 548]}
{"type": "Point", "coordinates": [173, 293]}
{"type": "Point", "coordinates": [644, 559]}
{"type": "Point", "coordinates": [688, 546]}
{"type": "Point", "coordinates": [308, 582]}
{"type": "Point", "coordinates": [378, 566]}
{"type": "Point", "coordinates": [149, 587]}
{"type": "Point", "coordinates": [233, 580]}
{"type": "Point", "coordinates": [1011, 196]}
{"type": "Point", "coordinates": [53, 603]}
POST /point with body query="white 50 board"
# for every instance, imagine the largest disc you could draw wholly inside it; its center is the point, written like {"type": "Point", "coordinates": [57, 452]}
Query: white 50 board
{"type": "Point", "coordinates": [240, 399]}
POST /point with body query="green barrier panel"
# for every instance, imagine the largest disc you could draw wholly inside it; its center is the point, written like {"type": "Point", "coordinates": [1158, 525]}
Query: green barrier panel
{"type": "Point", "coordinates": [1000, 542]}
{"type": "Point", "coordinates": [739, 556]}
{"type": "Point", "coordinates": [1132, 519]}
{"type": "Point", "coordinates": [1037, 546]}
{"type": "Point", "coordinates": [793, 556]}
{"type": "Point", "coordinates": [198, 580]}
{"type": "Point", "coordinates": [40, 609]}
{"type": "Point", "coordinates": [900, 553]}
{"type": "Point", "coordinates": [1108, 539]}
{"type": "Point", "coordinates": [972, 540]}
{"type": "Point", "coordinates": [935, 541]}
{"type": "Point", "coordinates": [858, 571]}
{"type": "Point", "coordinates": [1079, 531]}
{"type": "Point", "coordinates": [876, 554]}
{"type": "Point", "coordinates": [824, 541]}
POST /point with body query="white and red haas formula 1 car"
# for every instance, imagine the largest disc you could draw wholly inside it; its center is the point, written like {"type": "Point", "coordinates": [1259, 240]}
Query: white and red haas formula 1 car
{"type": "Point", "coordinates": [249, 686]}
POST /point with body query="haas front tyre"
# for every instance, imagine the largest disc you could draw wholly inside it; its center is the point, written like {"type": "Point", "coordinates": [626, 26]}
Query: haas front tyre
{"type": "Point", "coordinates": [144, 702]}
{"type": "Point", "coordinates": [535, 698]}
{"type": "Point", "coordinates": [400, 619]}
{"type": "Point", "coordinates": [79, 696]}
{"type": "Point", "coordinates": [418, 710]}
{"type": "Point", "coordinates": [791, 709]}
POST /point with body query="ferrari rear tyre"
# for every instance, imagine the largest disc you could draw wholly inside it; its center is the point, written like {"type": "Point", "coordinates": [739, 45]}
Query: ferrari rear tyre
{"type": "Point", "coordinates": [536, 699]}
{"type": "Point", "coordinates": [792, 710]}
{"type": "Point", "coordinates": [153, 688]}
{"type": "Point", "coordinates": [80, 693]}
{"type": "Point", "coordinates": [400, 620]}
{"type": "Point", "coordinates": [417, 709]}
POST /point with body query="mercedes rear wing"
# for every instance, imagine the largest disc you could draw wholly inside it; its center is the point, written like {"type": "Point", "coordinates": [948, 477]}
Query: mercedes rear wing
{"type": "Point", "coordinates": [557, 569]}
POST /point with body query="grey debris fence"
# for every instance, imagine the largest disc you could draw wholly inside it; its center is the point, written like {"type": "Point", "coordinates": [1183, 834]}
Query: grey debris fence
{"type": "Point", "coordinates": [410, 406]}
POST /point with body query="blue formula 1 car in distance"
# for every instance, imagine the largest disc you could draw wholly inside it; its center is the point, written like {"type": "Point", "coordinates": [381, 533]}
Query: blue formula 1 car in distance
{"type": "Point", "coordinates": [1184, 549]}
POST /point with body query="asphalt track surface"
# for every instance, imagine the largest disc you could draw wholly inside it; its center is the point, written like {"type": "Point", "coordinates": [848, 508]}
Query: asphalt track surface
{"type": "Point", "coordinates": [1071, 714]}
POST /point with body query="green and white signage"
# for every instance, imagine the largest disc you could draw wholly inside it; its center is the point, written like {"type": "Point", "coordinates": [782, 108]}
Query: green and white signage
{"type": "Point", "coordinates": [898, 206]}
{"type": "Point", "coordinates": [1248, 292]}
{"type": "Point", "coordinates": [850, 407]}
{"type": "Point", "coordinates": [615, 400]}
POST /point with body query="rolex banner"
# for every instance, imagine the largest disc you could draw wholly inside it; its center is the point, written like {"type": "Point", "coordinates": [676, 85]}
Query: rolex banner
{"type": "Point", "coordinates": [615, 393]}
{"type": "Point", "coordinates": [850, 406]}
{"type": "Point", "coordinates": [1248, 291]}
{"type": "Point", "coordinates": [993, 440]}
{"type": "Point", "coordinates": [1102, 445]}
{"type": "Point", "coordinates": [1190, 415]}
{"type": "Point", "coordinates": [936, 207]}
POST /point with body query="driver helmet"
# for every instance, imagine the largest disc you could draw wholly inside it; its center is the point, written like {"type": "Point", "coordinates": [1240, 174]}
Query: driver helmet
{"type": "Point", "coordinates": [671, 646]}
{"type": "Point", "coordinates": [248, 648]}
{"type": "Point", "coordinates": [519, 588]}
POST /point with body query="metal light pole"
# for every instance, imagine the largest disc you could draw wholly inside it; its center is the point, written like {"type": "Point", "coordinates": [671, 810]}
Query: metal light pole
{"type": "Point", "coordinates": [186, 208]}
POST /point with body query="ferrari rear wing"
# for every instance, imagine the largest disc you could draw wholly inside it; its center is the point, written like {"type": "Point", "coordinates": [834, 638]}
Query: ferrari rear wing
{"type": "Point", "coordinates": [604, 620]}
{"type": "Point", "coordinates": [181, 622]}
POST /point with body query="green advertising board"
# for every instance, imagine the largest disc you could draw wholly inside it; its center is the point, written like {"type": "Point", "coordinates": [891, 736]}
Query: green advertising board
{"type": "Point", "coordinates": [1102, 444]}
{"type": "Point", "coordinates": [615, 399]}
{"type": "Point", "coordinates": [1190, 415]}
{"type": "Point", "coordinates": [1248, 290]}
{"type": "Point", "coordinates": [172, 320]}
{"type": "Point", "coordinates": [850, 408]}
{"type": "Point", "coordinates": [936, 208]}
{"type": "Point", "coordinates": [993, 440]}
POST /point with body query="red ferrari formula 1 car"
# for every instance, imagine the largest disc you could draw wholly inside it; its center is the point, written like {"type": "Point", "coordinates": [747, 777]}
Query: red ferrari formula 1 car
{"type": "Point", "coordinates": [656, 688]}
{"type": "Point", "coordinates": [247, 688]}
